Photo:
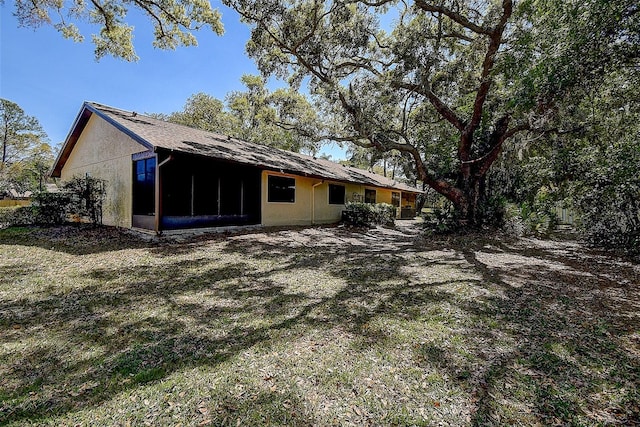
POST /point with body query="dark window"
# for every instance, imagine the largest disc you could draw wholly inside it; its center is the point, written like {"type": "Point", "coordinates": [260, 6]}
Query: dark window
{"type": "Point", "coordinates": [282, 189]}
{"type": "Point", "coordinates": [395, 199]}
{"type": "Point", "coordinates": [336, 194]}
{"type": "Point", "coordinates": [369, 196]}
{"type": "Point", "coordinates": [144, 186]}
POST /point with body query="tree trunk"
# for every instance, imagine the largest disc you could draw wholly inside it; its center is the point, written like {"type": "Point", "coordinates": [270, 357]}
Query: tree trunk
{"type": "Point", "coordinates": [467, 204]}
{"type": "Point", "coordinates": [4, 144]}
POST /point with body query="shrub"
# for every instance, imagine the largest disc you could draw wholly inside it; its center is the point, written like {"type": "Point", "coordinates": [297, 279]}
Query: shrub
{"type": "Point", "coordinates": [607, 198]}
{"type": "Point", "coordinates": [86, 195]}
{"type": "Point", "coordinates": [17, 216]}
{"type": "Point", "coordinates": [441, 219]}
{"type": "Point", "coordinates": [81, 197]}
{"type": "Point", "coordinates": [50, 208]}
{"type": "Point", "coordinates": [368, 215]}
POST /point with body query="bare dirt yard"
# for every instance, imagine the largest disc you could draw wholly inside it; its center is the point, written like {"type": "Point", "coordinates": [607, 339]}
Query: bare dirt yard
{"type": "Point", "coordinates": [314, 326]}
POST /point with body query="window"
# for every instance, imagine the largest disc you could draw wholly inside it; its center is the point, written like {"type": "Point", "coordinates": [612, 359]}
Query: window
{"type": "Point", "coordinates": [281, 189]}
{"type": "Point", "coordinates": [369, 196]}
{"type": "Point", "coordinates": [336, 194]}
{"type": "Point", "coordinates": [144, 186]}
{"type": "Point", "coordinates": [395, 199]}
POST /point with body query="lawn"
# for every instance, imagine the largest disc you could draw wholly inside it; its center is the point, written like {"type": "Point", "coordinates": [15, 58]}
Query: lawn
{"type": "Point", "coordinates": [314, 326]}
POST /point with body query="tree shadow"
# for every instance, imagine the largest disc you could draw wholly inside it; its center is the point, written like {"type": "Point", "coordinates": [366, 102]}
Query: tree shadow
{"type": "Point", "coordinates": [77, 239]}
{"type": "Point", "coordinates": [123, 327]}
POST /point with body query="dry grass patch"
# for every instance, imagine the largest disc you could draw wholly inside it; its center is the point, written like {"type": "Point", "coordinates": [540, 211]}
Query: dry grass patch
{"type": "Point", "coordinates": [317, 326]}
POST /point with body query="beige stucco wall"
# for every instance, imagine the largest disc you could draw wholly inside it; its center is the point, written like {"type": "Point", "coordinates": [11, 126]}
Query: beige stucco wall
{"type": "Point", "coordinates": [105, 152]}
{"type": "Point", "coordinates": [298, 213]}
{"type": "Point", "coordinates": [303, 211]}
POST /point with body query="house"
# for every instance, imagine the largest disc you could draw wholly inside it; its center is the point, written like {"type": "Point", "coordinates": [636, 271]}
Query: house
{"type": "Point", "coordinates": [13, 194]}
{"type": "Point", "coordinates": [162, 176]}
{"type": "Point", "coordinates": [12, 197]}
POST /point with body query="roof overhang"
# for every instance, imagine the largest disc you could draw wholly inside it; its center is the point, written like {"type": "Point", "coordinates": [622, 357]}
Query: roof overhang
{"type": "Point", "coordinates": [287, 171]}
{"type": "Point", "coordinates": [77, 128]}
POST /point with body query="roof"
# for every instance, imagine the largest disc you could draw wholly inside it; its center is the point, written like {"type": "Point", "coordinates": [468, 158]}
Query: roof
{"type": "Point", "coordinates": [159, 135]}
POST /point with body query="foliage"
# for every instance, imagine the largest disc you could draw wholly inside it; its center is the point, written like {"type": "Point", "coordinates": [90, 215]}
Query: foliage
{"type": "Point", "coordinates": [591, 167]}
{"type": "Point", "coordinates": [174, 22]}
{"type": "Point", "coordinates": [608, 196]}
{"type": "Point", "coordinates": [603, 171]}
{"type": "Point", "coordinates": [448, 83]}
{"type": "Point", "coordinates": [86, 196]}
{"type": "Point", "coordinates": [525, 219]}
{"type": "Point", "coordinates": [368, 214]}
{"type": "Point", "coordinates": [51, 208]}
{"type": "Point", "coordinates": [45, 209]}
{"type": "Point", "coordinates": [393, 164]}
{"type": "Point", "coordinates": [26, 155]}
{"type": "Point", "coordinates": [80, 198]}
{"type": "Point", "coordinates": [282, 118]}
{"type": "Point", "coordinates": [441, 219]}
{"type": "Point", "coordinates": [204, 112]}
{"type": "Point", "coordinates": [16, 216]}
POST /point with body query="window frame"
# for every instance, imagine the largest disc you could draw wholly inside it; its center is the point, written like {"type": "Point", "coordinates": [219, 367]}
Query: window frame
{"type": "Point", "coordinates": [144, 188]}
{"type": "Point", "coordinates": [270, 183]}
{"type": "Point", "coordinates": [330, 193]}
{"type": "Point", "coordinates": [375, 195]}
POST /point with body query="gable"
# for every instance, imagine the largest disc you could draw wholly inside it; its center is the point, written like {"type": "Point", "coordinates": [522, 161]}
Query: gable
{"type": "Point", "coordinates": [103, 139]}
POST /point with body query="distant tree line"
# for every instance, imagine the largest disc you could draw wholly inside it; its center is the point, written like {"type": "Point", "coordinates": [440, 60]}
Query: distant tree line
{"type": "Point", "coordinates": [26, 152]}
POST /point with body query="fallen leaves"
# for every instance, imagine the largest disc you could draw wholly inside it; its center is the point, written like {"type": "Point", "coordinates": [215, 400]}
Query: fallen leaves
{"type": "Point", "coordinates": [415, 333]}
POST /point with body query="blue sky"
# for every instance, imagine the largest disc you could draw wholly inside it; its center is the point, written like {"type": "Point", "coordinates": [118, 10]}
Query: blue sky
{"type": "Point", "coordinates": [50, 77]}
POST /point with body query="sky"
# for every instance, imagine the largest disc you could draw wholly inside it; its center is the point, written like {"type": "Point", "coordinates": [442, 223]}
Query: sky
{"type": "Point", "coordinates": [50, 77]}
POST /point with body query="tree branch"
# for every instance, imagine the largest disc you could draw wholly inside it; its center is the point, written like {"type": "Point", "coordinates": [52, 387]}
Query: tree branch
{"type": "Point", "coordinates": [442, 108]}
{"type": "Point", "coordinates": [454, 16]}
{"type": "Point", "coordinates": [495, 40]}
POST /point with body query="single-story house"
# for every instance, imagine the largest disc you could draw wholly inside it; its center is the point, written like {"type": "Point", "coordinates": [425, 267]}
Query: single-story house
{"type": "Point", "coordinates": [162, 176]}
{"type": "Point", "coordinates": [13, 194]}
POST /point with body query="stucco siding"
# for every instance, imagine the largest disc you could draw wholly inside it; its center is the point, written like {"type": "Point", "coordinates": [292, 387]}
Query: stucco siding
{"type": "Point", "coordinates": [282, 213]}
{"type": "Point", "coordinates": [105, 152]}
{"type": "Point", "coordinates": [303, 211]}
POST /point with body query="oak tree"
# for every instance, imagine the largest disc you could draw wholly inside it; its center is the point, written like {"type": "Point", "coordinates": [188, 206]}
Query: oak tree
{"type": "Point", "coordinates": [447, 81]}
{"type": "Point", "coordinates": [26, 154]}
{"type": "Point", "coordinates": [174, 21]}
{"type": "Point", "coordinates": [282, 118]}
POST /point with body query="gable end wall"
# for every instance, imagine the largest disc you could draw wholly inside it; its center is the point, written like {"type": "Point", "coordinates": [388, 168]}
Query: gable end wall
{"type": "Point", "coordinates": [105, 152]}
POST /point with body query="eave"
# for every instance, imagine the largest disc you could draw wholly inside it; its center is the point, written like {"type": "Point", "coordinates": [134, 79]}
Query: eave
{"type": "Point", "coordinates": [77, 128]}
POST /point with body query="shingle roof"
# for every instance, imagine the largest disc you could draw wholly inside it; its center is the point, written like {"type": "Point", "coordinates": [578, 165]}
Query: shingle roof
{"type": "Point", "coordinates": [161, 135]}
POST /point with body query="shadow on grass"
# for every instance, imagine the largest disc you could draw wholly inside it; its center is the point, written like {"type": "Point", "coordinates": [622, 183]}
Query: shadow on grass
{"type": "Point", "coordinates": [541, 326]}
{"type": "Point", "coordinates": [76, 239]}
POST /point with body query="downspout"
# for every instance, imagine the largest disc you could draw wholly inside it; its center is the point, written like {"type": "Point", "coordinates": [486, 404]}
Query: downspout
{"type": "Point", "coordinates": [158, 198]}
{"type": "Point", "coordinates": [313, 201]}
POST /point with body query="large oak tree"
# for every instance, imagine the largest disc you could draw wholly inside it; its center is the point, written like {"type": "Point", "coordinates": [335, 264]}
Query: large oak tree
{"type": "Point", "coordinates": [448, 81]}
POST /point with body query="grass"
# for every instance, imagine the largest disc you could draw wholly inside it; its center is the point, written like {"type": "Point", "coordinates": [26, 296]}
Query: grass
{"type": "Point", "coordinates": [316, 326]}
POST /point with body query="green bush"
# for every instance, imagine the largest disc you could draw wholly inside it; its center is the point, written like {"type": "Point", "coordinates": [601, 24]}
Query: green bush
{"type": "Point", "coordinates": [81, 197]}
{"type": "Point", "coordinates": [86, 196]}
{"type": "Point", "coordinates": [50, 208]}
{"type": "Point", "coordinates": [17, 216]}
{"type": "Point", "coordinates": [368, 215]}
{"type": "Point", "coordinates": [441, 219]}
{"type": "Point", "coordinates": [607, 200]}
